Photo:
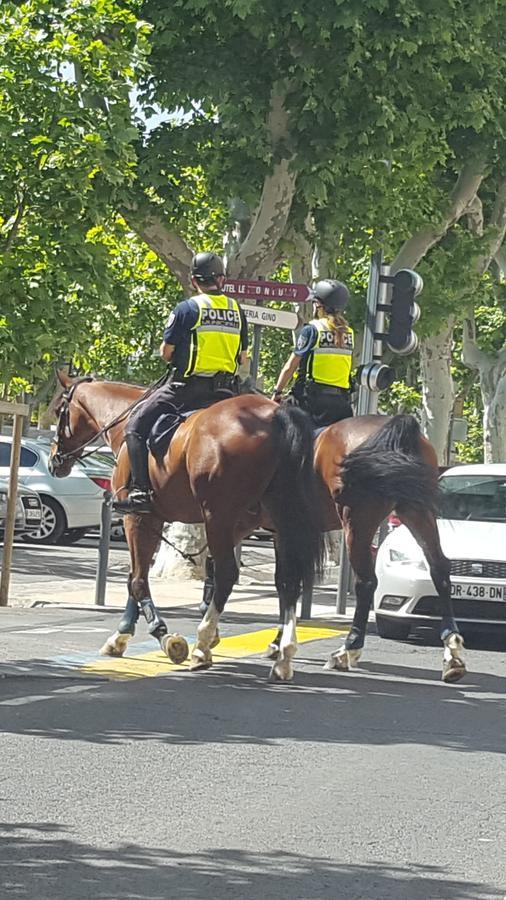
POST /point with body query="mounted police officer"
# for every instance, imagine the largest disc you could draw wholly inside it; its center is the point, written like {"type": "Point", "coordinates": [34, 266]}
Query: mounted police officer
{"type": "Point", "coordinates": [323, 359]}
{"type": "Point", "coordinates": [206, 338]}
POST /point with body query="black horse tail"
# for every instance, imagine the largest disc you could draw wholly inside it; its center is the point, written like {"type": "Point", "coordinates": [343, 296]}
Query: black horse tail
{"type": "Point", "coordinates": [292, 500]}
{"type": "Point", "coordinates": [389, 466]}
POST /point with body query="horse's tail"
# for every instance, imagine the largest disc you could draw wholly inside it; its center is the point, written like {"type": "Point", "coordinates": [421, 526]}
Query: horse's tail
{"type": "Point", "coordinates": [294, 503]}
{"type": "Point", "coordinates": [389, 466]}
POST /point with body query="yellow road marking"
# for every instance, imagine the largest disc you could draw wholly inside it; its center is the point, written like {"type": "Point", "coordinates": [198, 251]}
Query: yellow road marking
{"type": "Point", "coordinates": [149, 665]}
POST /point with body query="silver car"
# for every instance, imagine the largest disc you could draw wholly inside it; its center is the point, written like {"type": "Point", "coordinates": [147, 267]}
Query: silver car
{"type": "Point", "coordinates": [28, 508]}
{"type": "Point", "coordinates": [70, 506]}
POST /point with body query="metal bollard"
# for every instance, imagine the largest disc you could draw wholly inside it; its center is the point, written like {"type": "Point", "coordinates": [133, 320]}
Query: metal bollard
{"type": "Point", "coordinates": [103, 549]}
{"type": "Point", "coordinates": [307, 600]}
{"type": "Point", "coordinates": [345, 574]}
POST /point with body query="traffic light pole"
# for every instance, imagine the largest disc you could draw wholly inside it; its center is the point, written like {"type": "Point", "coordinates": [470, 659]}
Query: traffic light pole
{"type": "Point", "coordinates": [367, 402]}
{"type": "Point", "coordinates": [364, 392]}
{"type": "Point", "coordinates": [402, 312]}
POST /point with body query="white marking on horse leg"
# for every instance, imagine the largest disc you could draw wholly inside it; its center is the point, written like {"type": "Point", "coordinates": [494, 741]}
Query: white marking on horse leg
{"type": "Point", "coordinates": [282, 669]}
{"type": "Point", "coordinates": [343, 660]}
{"type": "Point", "coordinates": [116, 644]}
{"type": "Point", "coordinates": [206, 634]}
{"type": "Point", "coordinates": [208, 627]}
{"type": "Point", "coordinates": [454, 667]}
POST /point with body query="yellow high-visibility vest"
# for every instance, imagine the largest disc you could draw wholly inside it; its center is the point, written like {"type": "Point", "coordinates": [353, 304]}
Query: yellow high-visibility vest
{"type": "Point", "coordinates": [328, 364]}
{"type": "Point", "coordinates": [216, 336]}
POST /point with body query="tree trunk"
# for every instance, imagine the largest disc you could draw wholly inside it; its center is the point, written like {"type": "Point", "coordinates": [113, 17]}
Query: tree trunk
{"type": "Point", "coordinates": [438, 395]}
{"type": "Point", "coordinates": [493, 392]}
{"type": "Point", "coordinates": [492, 373]}
{"type": "Point", "coordinates": [169, 565]}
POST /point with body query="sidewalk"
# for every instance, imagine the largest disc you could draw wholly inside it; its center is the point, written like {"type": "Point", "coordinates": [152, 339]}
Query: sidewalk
{"type": "Point", "coordinates": [254, 594]}
{"type": "Point", "coordinates": [259, 599]}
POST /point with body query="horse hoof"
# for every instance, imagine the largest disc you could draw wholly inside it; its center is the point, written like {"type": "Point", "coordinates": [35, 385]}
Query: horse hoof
{"type": "Point", "coordinates": [281, 671]}
{"type": "Point", "coordinates": [200, 659]}
{"type": "Point", "coordinates": [215, 641]}
{"type": "Point", "coordinates": [272, 651]}
{"type": "Point", "coordinates": [175, 647]}
{"type": "Point", "coordinates": [115, 645]}
{"type": "Point", "coordinates": [343, 660]}
{"type": "Point", "coordinates": [453, 670]}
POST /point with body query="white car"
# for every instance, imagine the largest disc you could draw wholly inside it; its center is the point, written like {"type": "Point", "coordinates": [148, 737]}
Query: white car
{"type": "Point", "coordinates": [472, 528]}
{"type": "Point", "coordinates": [70, 506]}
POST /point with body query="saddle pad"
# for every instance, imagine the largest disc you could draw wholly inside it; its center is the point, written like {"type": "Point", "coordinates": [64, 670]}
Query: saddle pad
{"type": "Point", "coordinates": [164, 430]}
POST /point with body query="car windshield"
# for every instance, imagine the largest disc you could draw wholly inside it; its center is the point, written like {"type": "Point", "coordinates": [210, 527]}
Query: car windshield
{"type": "Point", "coordinates": [478, 498]}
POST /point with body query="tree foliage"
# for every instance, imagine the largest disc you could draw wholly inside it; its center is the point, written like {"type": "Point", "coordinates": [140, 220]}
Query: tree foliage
{"type": "Point", "coordinates": [378, 123]}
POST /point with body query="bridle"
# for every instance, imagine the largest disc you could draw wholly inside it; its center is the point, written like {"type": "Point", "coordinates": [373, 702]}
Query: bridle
{"type": "Point", "coordinates": [63, 426]}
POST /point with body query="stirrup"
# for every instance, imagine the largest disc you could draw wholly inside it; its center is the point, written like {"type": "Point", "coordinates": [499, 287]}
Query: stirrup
{"type": "Point", "coordinates": [137, 502]}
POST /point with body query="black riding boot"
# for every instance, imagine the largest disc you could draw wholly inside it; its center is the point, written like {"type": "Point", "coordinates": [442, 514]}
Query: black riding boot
{"type": "Point", "coordinates": [139, 496]}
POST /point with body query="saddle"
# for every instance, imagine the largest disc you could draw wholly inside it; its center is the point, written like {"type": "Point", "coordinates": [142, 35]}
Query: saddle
{"type": "Point", "coordinates": [164, 430]}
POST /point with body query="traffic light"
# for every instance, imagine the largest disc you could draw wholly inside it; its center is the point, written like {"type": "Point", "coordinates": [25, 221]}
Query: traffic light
{"type": "Point", "coordinates": [404, 312]}
{"type": "Point", "coordinates": [375, 376]}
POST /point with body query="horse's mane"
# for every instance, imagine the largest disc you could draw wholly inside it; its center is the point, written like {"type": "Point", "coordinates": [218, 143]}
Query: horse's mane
{"type": "Point", "coordinates": [53, 408]}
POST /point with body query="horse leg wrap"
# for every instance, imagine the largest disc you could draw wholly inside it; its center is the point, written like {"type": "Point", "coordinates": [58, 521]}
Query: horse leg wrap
{"type": "Point", "coordinates": [129, 618]}
{"type": "Point", "coordinates": [156, 625]}
{"type": "Point", "coordinates": [355, 639]}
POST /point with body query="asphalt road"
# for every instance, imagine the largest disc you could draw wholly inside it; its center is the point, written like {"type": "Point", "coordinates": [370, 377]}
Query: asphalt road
{"type": "Point", "coordinates": [381, 783]}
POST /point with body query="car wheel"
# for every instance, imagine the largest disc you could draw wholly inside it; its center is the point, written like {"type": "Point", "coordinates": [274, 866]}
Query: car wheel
{"type": "Point", "coordinates": [73, 535]}
{"type": "Point", "coordinates": [389, 628]}
{"type": "Point", "coordinates": [52, 525]}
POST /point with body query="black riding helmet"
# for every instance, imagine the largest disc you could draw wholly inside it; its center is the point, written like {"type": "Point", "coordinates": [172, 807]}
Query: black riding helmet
{"type": "Point", "coordinates": [207, 266]}
{"type": "Point", "coordinates": [331, 294]}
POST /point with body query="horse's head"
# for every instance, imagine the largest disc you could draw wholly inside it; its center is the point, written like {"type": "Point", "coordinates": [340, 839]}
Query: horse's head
{"type": "Point", "coordinates": [75, 427]}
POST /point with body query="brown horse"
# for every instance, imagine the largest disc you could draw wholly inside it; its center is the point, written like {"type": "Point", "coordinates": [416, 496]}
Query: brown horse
{"type": "Point", "coordinates": [368, 466]}
{"type": "Point", "coordinates": [232, 466]}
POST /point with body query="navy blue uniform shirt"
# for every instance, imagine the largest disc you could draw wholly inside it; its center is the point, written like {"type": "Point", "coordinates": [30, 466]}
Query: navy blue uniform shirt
{"type": "Point", "coordinates": [306, 341]}
{"type": "Point", "coordinates": [178, 331]}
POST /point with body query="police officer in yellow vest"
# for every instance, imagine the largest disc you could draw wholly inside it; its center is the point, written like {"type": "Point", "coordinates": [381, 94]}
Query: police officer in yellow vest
{"type": "Point", "coordinates": [206, 338]}
{"type": "Point", "coordinates": [323, 359]}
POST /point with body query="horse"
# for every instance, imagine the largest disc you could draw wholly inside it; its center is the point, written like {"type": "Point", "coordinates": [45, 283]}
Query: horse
{"type": "Point", "coordinates": [366, 467]}
{"type": "Point", "coordinates": [235, 465]}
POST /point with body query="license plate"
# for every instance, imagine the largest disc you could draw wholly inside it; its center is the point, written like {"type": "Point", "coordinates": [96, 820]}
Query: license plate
{"type": "Point", "coordinates": [464, 591]}
{"type": "Point", "coordinates": [34, 515]}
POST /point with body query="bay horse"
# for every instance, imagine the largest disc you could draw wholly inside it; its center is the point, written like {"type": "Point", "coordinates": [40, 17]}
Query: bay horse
{"type": "Point", "coordinates": [233, 465]}
{"type": "Point", "coordinates": [366, 467]}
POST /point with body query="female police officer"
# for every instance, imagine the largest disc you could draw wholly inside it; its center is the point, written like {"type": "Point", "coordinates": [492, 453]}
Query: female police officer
{"type": "Point", "coordinates": [206, 339]}
{"type": "Point", "coordinates": [323, 359]}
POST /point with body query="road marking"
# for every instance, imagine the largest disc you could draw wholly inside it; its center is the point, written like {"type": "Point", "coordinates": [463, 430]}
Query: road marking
{"type": "Point", "coordinates": [66, 629]}
{"type": "Point", "coordinates": [36, 698]}
{"type": "Point", "coordinates": [149, 665]}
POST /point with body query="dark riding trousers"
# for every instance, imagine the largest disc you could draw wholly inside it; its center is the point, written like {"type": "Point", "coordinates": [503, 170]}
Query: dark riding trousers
{"type": "Point", "coordinates": [324, 403]}
{"type": "Point", "coordinates": [180, 395]}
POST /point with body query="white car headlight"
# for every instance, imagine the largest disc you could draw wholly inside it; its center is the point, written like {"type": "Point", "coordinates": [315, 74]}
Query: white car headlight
{"type": "Point", "coordinates": [407, 558]}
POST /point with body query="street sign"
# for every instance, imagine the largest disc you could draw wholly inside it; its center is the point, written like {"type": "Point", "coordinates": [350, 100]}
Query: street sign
{"type": "Point", "coordinates": [276, 318]}
{"type": "Point", "coordinates": [267, 290]}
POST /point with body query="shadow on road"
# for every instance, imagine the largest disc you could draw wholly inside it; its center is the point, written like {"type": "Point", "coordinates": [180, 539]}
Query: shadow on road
{"type": "Point", "coordinates": [43, 861]}
{"type": "Point", "coordinates": [233, 704]}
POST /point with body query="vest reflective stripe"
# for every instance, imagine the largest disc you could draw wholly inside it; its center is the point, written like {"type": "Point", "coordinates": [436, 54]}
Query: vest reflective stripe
{"type": "Point", "coordinates": [216, 336]}
{"type": "Point", "coordinates": [328, 364]}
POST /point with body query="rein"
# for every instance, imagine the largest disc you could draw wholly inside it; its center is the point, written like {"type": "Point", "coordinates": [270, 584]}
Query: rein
{"type": "Point", "coordinates": [61, 457]}
{"type": "Point", "coordinates": [64, 419]}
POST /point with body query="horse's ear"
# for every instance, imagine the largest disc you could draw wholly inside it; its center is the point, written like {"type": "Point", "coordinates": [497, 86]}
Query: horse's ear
{"type": "Point", "coordinates": [64, 379]}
